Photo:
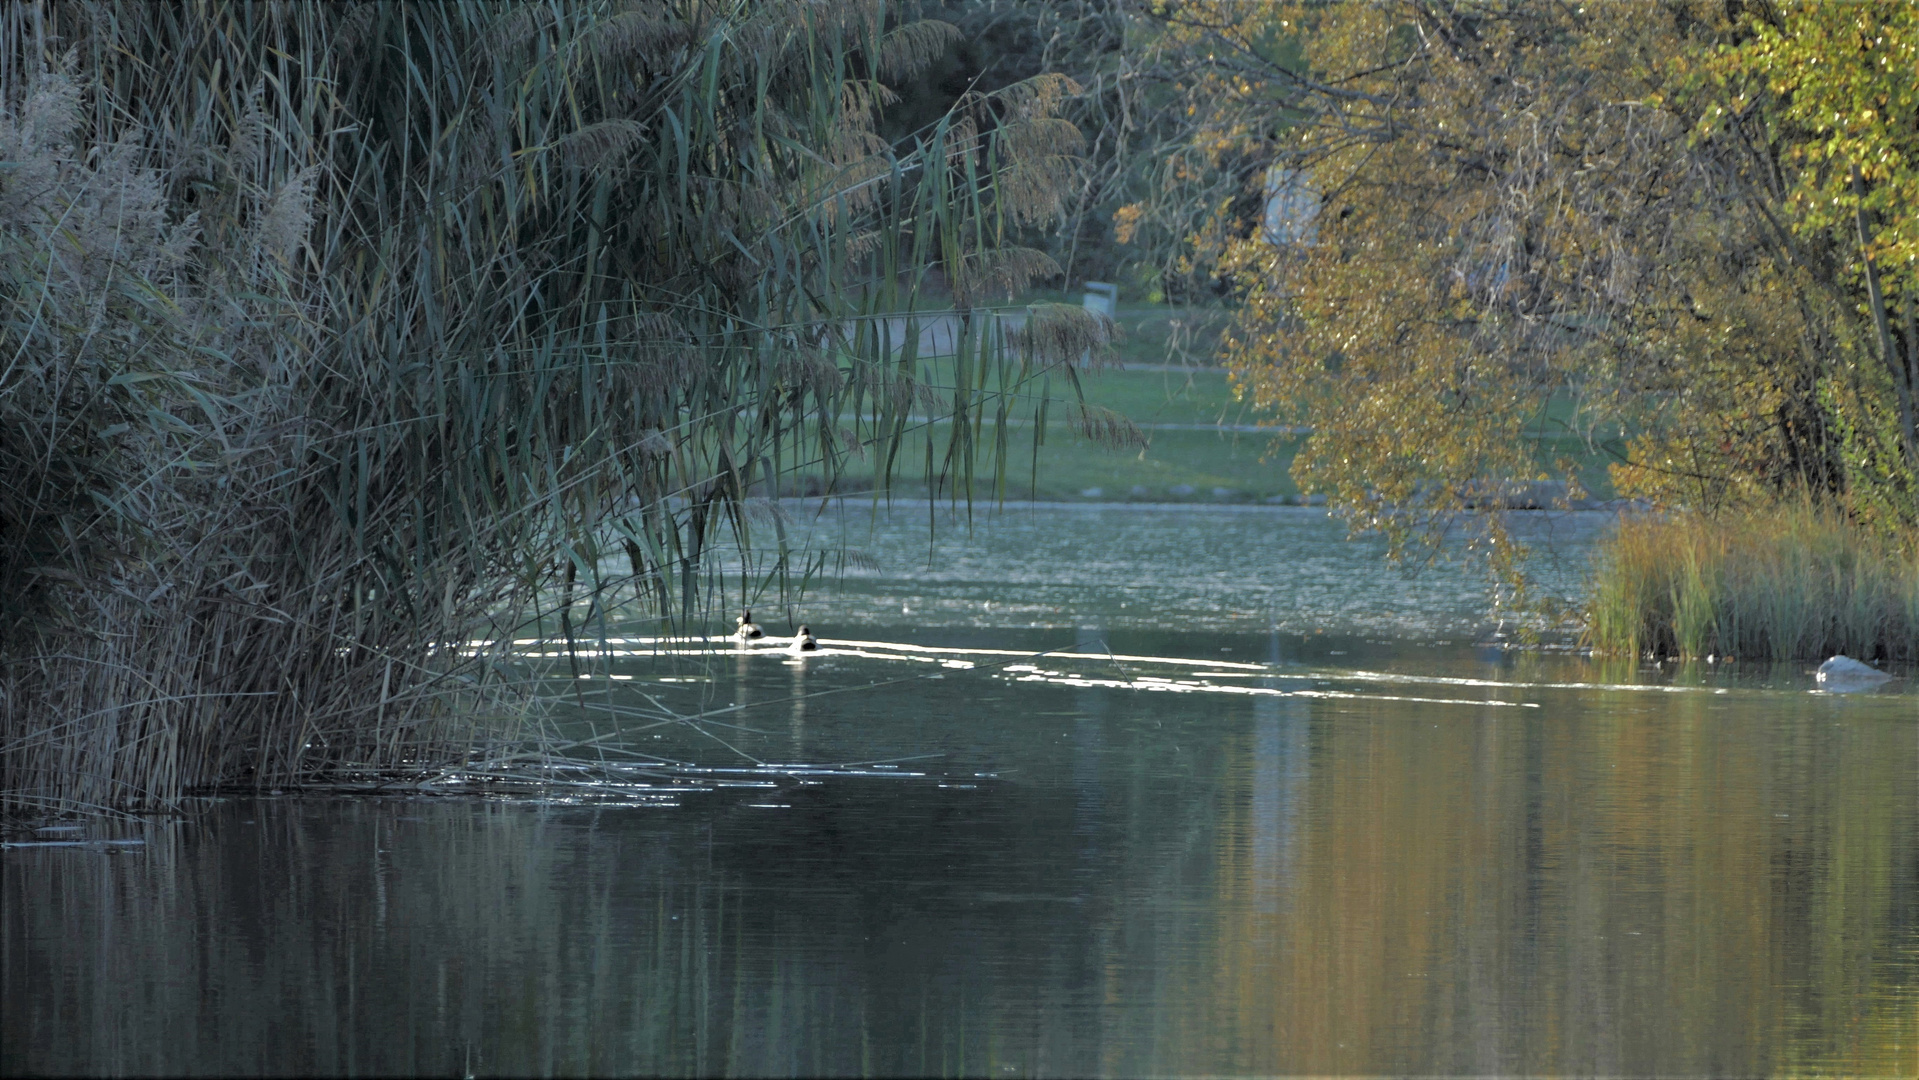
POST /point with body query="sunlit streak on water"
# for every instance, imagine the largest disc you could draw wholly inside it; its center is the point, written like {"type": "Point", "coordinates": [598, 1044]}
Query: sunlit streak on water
{"type": "Point", "coordinates": [1027, 673]}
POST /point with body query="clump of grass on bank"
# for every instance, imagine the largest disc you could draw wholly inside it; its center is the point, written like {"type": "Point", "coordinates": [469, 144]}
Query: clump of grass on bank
{"type": "Point", "coordinates": [1793, 581]}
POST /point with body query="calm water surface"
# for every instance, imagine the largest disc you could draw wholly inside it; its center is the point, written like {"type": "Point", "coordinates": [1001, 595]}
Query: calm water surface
{"type": "Point", "coordinates": [1387, 848]}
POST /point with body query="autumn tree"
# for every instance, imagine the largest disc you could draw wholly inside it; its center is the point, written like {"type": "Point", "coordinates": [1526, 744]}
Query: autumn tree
{"type": "Point", "coordinates": [1540, 229]}
{"type": "Point", "coordinates": [1840, 82]}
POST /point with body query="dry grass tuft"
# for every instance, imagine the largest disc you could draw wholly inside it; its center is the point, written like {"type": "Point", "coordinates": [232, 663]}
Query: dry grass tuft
{"type": "Point", "coordinates": [1792, 581]}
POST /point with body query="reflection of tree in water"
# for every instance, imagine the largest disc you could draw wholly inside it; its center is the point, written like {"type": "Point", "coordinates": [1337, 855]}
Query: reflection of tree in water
{"type": "Point", "coordinates": [1602, 892]}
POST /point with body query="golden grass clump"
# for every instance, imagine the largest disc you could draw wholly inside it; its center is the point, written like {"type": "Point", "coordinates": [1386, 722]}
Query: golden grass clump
{"type": "Point", "coordinates": [1794, 580]}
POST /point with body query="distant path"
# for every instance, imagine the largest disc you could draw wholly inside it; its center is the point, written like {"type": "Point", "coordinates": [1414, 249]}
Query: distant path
{"type": "Point", "coordinates": [1244, 429]}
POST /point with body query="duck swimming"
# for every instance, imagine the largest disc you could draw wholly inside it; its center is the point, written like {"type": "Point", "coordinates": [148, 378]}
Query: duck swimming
{"type": "Point", "coordinates": [744, 629]}
{"type": "Point", "coordinates": [804, 641]}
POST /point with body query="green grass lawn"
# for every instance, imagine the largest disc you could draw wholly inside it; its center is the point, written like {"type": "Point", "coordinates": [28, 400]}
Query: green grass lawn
{"type": "Point", "coordinates": [1202, 444]}
{"type": "Point", "coordinates": [1181, 460]}
{"type": "Point", "coordinates": [1192, 453]}
{"type": "Point", "coordinates": [1202, 466]}
{"type": "Point", "coordinates": [1169, 396]}
{"type": "Point", "coordinates": [1156, 333]}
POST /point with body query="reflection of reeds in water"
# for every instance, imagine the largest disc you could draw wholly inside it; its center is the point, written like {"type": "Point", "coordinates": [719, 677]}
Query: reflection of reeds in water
{"type": "Point", "coordinates": [454, 939]}
{"type": "Point", "coordinates": [427, 936]}
{"type": "Point", "coordinates": [1791, 582]}
{"type": "Point", "coordinates": [333, 332]}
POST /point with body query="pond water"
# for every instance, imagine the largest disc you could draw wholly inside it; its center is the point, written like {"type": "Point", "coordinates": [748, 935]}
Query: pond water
{"type": "Point", "coordinates": [1350, 833]}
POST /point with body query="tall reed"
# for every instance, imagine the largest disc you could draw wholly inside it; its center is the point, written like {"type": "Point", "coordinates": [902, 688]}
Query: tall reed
{"type": "Point", "coordinates": [1792, 581]}
{"type": "Point", "coordinates": [333, 333]}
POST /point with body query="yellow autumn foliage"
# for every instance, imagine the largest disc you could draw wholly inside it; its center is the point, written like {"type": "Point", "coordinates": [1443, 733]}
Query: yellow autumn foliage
{"type": "Point", "coordinates": [1545, 231]}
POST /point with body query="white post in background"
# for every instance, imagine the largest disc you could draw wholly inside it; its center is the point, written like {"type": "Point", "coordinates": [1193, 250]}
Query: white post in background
{"type": "Point", "coordinates": [1103, 297]}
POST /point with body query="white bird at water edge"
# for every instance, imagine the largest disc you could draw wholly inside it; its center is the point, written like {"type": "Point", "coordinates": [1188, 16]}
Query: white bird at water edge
{"type": "Point", "coordinates": [1843, 674]}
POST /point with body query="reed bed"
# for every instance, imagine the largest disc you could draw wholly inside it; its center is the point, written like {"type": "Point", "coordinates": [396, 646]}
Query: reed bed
{"type": "Point", "coordinates": [330, 333]}
{"type": "Point", "coordinates": [1792, 581]}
